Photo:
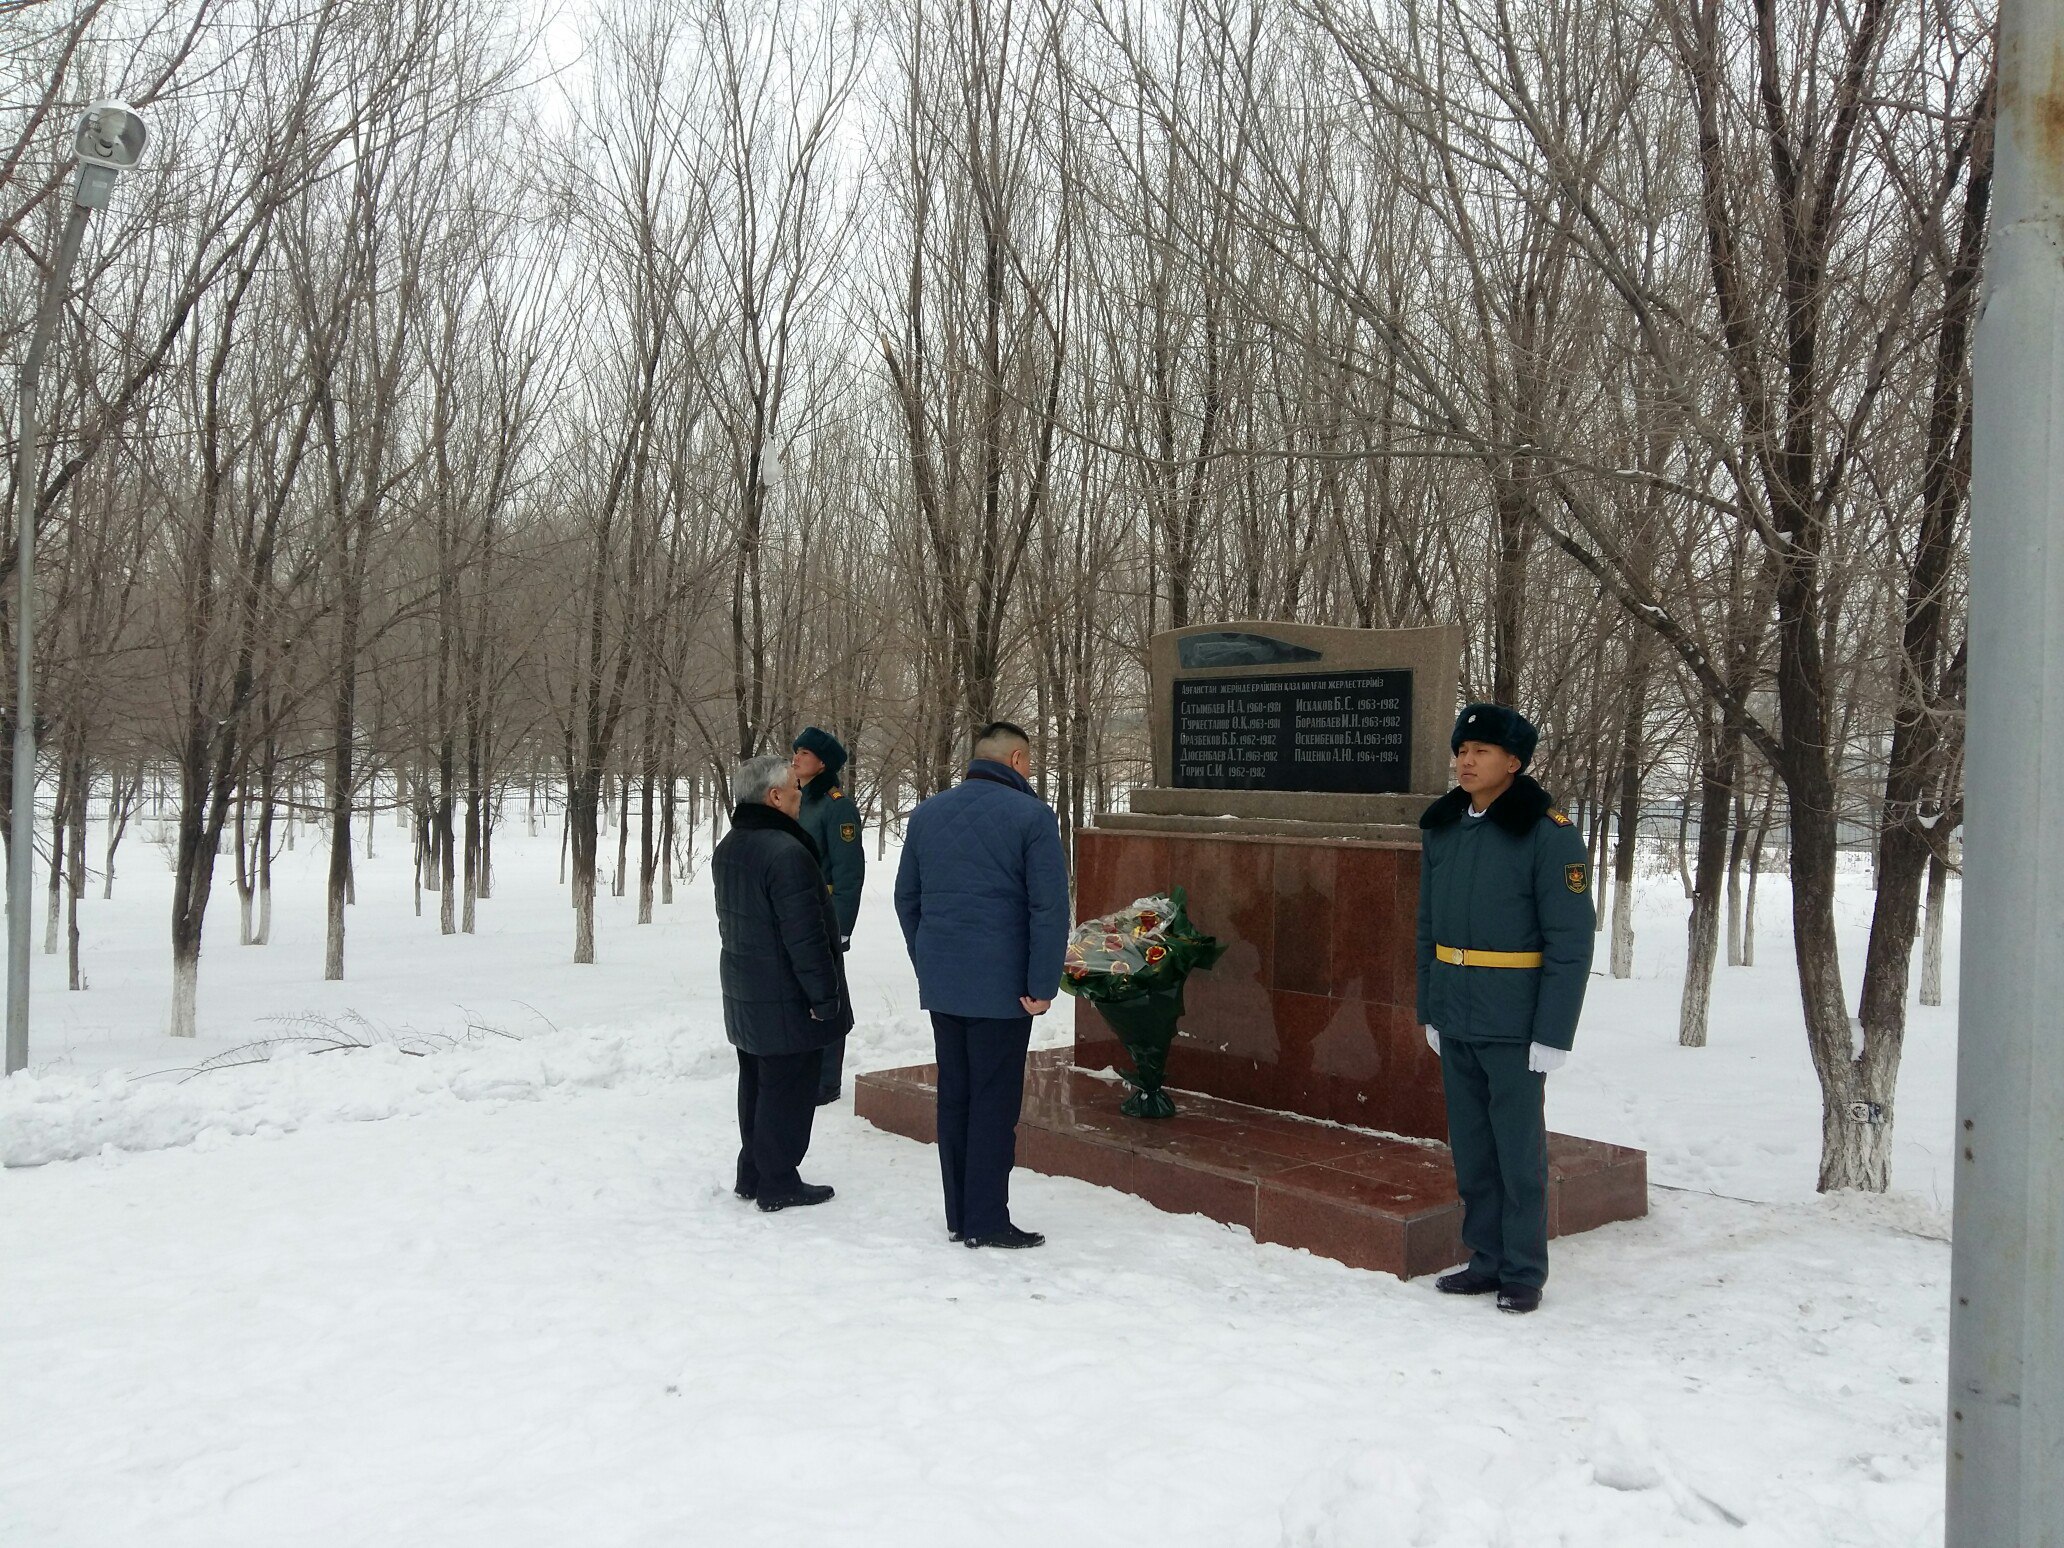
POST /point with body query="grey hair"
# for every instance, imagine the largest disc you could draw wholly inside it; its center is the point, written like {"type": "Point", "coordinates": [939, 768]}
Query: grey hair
{"type": "Point", "coordinates": [753, 780]}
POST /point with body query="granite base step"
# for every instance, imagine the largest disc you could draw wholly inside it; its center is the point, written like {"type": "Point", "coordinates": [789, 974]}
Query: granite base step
{"type": "Point", "coordinates": [1371, 1201]}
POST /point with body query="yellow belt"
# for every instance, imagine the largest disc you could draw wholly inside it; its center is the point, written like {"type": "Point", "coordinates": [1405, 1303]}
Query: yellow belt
{"type": "Point", "coordinates": [1504, 959]}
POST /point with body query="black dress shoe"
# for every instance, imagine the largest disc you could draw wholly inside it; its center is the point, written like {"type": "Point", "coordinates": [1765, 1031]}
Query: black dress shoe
{"type": "Point", "coordinates": [745, 1193]}
{"type": "Point", "coordinates": [1466, 1282]}
{"type": "Point", "coordinates": [824, 1100]}
{"type": "Point", "coordinates": [1009, 1236]}
{"type": "Point", "coordinates": [797, 1197]}
{"type": "Point", "coordinates": [952, 1236]}
{"type": "Point", "coordinates": [1518, 1298]}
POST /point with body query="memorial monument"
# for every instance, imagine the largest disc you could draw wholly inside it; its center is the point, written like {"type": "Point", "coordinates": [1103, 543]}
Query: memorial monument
{"type": "Point", "coordinates": [1291, 763]}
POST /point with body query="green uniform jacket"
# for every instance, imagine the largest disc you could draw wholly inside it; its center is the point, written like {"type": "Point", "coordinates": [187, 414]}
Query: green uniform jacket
{"type": "Point", "coordinates": [1517, 878]}
{"type": "Point", "coordinates": [833, 821]}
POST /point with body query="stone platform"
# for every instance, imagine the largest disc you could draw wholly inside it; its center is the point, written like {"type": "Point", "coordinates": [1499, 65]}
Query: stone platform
{"type": "Point", "coordinates": [1369, 1200]}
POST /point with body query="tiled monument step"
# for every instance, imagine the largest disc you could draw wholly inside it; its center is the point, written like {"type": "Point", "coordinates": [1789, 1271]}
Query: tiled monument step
{"type": "Point", "coordinates": [1370, 1200]}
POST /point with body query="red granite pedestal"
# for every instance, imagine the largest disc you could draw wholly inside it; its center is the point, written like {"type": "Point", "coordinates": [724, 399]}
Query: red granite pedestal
{"type": "Point", "coordinates": [1309, 1106]}
{"type": "Point", "coordinates": [1311, 1008]}
{"type": "Point", "coordinates": [1368, 1200]}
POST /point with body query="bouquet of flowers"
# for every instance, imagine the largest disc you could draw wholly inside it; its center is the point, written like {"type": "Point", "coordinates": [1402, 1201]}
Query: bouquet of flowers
{"type": "Point", "coordinates": [1131, 965]}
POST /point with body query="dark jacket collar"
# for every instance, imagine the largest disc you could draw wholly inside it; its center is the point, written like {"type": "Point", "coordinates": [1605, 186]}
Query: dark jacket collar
{"type": "Point", "coordinates": [757, 814]}
{"type": "Point", "coordinates": [999, 774]}
{"type": "Point", "coordinates": [1516, 811]}
{"type": "Point", "coordinates": [823, 785]}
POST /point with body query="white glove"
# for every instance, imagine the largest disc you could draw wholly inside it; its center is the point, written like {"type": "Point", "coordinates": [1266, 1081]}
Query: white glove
{"type": "Point", "coordinates": [1433, 1040]}
{"type": "Point", "coordinates": [1543, 1060]}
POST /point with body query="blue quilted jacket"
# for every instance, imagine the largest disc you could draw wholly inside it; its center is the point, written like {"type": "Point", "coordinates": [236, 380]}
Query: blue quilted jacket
{"type": "Point", "coordinates": [983, 896]}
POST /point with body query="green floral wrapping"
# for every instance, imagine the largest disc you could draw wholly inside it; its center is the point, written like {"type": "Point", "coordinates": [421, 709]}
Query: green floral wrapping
{"type": "Point", "coordinates": [1131, 966]}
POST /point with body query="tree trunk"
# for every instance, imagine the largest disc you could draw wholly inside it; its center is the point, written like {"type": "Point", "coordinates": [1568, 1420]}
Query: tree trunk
{"type": "Point", "coordinates": [648, 850]}
{"type": "Point", "coordinates": [416, 818]}
{"type": "Point", "coordinates": [470, 851]}
{"type": "Point", "coordinates": [186, 982]}
{"type": "Point", "coordinates": [446, 840]}
{"type": "Point", "coordinates": [623, 836]}
{"type": "Point", "coordinates": [75, 869]}
{"type": "Point", "coordinates": [339, 880]}
{"type": "Point", "coordinates": [268, 806]}
{"type": "Point", "coordinates": [1628, 849]}
{"type": "Point", "coordinates": [583, 810]}
{"type": "Point", "coordinates": [487, 832]}
{"type": "Point", "coordinates": [667, 806]}
{"type": "Point", "coordinates": [1736, 849]}
{"type": "Point", "coordinates": [1748, 921]}
{"type": "Point", "coordinates": [1931, 935]}
{"type": "Point", "coordinates": [471, 839]}
{"type": "Point", "coordinates": [240, 840]}
{"type": "Point", "coordinates": [122, 799]}
{"type": "Point", "coordinates": [1702, 931]}
{"type": "Point", "coordinates": [1856, 1077]}
{"type": "Point", "coordinates": [60, 821]}
{"type": "Point", "coordinates": [1684, 846]}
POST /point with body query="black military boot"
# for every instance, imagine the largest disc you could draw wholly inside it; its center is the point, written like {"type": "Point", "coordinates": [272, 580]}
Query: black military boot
{"type": "Point", "coordinates": [1518, 1298]}
{"type": "Point", "coordinates": [1009, 1236]}
{"type": "Point", "coordinates": [797, 1197]}
{"type": "Point", "coordinates": [1466, 1282]}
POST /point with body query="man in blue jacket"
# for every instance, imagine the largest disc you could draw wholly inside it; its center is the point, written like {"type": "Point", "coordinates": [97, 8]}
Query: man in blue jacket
{"type": "Point", "coordinates": [982, 894]}
{"type": "Point", "coordinates": [1505, 932]}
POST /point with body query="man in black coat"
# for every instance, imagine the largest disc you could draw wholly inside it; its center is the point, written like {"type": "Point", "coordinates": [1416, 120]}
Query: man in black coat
{"type": "Point", "coordinates": [784, 981]}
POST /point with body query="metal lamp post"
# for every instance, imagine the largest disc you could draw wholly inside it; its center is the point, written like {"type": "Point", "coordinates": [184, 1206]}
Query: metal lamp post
{"type": "Point", "coordinates": [109, 140]}
{"type": "Point", "coordinates": [2006, 1316]}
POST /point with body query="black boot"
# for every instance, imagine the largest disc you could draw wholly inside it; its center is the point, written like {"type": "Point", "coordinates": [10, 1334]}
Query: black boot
{"type": "Point", "coordinates": [1009, 1236]}
{"type": "Point", "coordinates": [1518, 1298]}
{"type": "Point", "coordinates": [1466, 1282]}
{"type": "Point", "coordinates": [800, 1195]}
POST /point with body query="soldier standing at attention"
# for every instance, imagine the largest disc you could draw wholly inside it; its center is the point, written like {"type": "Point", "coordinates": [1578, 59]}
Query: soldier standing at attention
{"type": "Point", "coordinates": [1505, 932]}
{"type": "Point", "coordinates": [833, 823]}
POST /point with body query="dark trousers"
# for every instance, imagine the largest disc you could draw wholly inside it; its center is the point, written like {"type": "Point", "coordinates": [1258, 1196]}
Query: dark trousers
{"type": "Point", "coordinates": [777, 1098]}
{"type": "Point", "coordinates": [831, 1071]}
{"type": "Point", "coordinates": [981, 1087]}
{"type": "Point", "coordinates": [1498, 1134]}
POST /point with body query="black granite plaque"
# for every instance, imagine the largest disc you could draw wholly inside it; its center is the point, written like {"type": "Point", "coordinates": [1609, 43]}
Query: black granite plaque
{"type": "Point", "coordinates": [1345, 732]}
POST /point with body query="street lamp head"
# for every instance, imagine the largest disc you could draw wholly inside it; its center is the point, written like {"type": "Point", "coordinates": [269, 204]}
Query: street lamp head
{"type": "Point", "coordinates": [110, 134]}
{"type": "Point", "coordinates": [110, 140]}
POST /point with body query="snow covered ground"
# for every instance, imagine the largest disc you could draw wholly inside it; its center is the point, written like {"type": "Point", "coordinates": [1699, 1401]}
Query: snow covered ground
{"type": "Point", "coordinates": [527, 1310]}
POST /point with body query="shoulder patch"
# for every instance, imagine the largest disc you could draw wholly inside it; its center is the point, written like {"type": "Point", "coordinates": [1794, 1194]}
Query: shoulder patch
{"type": "Point", "coordinates": [1560, 819]}
{"type": "Point", "coordinates": [848, 832]}
{"type": "Point", "coordinates": [1574, 877]}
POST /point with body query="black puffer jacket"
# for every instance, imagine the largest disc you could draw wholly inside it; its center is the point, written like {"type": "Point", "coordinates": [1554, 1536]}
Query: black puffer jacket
{"type": "Point", "coordinates": [780, 937]}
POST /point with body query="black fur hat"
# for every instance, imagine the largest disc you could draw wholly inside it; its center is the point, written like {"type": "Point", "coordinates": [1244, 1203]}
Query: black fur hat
{"type": "Point", "coordinates": [823, 744]}
{"type": "Point", "coordinates": [1499, 726]}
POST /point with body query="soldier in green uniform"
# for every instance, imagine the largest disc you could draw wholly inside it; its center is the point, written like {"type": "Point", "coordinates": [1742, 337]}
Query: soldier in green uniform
{"type": "Point", "coordinates": [833, 822]}
{"type": "Point", "coordinates": [1505, 932]}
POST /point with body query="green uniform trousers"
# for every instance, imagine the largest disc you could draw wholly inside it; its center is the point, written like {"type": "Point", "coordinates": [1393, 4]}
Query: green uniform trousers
{"type": "Point", "coordinates": [1498, 1135]}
